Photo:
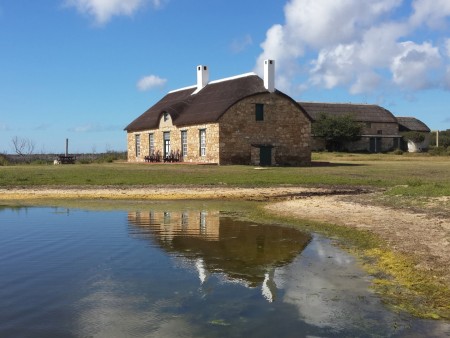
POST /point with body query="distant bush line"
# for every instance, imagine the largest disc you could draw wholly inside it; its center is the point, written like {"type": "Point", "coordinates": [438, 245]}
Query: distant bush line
{"type": "Point", "coordinates": [46, 159]}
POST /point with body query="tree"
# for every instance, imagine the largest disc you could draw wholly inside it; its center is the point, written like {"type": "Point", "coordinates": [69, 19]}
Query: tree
{"type": "Point", "coordinates": [414, 136]}
{"type": "Point", "coordinates": [23, 146]}
{"type": "Point", "coordinates": [444, 138]}
{"type": "Point", "coordinates": [336, 130]}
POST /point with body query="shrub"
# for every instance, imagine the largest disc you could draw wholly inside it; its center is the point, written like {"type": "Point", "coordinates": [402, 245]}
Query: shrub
{"type": "Point", "coordinates": [439, 151]}
{"type": "Point", "coordinates": [4, 160]}
{"type": "Point", "coordinates": [415, 136]}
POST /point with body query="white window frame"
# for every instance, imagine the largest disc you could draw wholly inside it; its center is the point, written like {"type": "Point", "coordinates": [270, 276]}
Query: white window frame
{"type": "Point", "coordinates": [137, 139]}
{"type": "Point", "coordinates": [184, 143]}
{"type": "Point", "coordinates": [151, 144]}
{"type": "Point", "coordinates": [202, 141]}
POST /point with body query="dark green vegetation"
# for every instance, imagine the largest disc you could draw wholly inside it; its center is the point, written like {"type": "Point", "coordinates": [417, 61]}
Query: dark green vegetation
{"type": "Point", "coordinates": [336, 130]}
{"type": "Point", "coordinates": [444, 138]}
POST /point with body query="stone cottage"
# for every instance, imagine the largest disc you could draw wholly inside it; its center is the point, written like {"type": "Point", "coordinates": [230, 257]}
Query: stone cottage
{"type": "Point", "coordinates": [237, 120]}
{"type": "Point", "coordinates": [380, 126]}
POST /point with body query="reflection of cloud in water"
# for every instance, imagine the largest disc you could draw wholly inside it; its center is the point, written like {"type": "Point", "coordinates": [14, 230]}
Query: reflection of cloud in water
{"type": "Point", "coordinates": [110, 312]}
{"type": "Point", "coordinates": [326, 291]}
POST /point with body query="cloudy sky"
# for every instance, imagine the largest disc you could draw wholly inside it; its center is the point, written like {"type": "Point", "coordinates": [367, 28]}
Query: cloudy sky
{"type": "Point", "coordinates": [84, 69]}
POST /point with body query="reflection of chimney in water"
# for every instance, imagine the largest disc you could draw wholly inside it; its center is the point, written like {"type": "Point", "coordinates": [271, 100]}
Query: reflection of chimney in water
{"type": "Point", "coordinates": [202, 272]}
{"type": "Point", "coordinates": [269, 288]}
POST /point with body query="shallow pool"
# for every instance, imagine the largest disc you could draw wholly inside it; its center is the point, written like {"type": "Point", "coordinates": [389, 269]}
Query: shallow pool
{"type": "Point", "coordinates": [184, 271]}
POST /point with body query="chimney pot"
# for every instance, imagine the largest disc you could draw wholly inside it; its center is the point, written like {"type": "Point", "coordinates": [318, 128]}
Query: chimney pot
{"type": "Point", "coordinates": [202, 77]}
{"type": "Point", "coordinates": [269, 75]}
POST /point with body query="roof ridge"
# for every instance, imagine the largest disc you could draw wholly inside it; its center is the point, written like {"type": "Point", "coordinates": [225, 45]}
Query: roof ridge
{"type": "Point", "coordinates": [343, 103]}
{"type": "Point", "coordinates": [215, 81]}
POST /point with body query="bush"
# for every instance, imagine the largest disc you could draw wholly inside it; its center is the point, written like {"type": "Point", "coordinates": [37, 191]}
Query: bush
{"type": "Point", "coordinates": [398, 152]}
{"type": "Point", "coordinates": [4, 160]}
{"type": "Point", "coordinates": [439, 151]}
{"type": "Point", "coordinates": [415, 136]}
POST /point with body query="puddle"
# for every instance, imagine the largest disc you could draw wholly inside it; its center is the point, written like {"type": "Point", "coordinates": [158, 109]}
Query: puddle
{"type": "Point", "coordinates": [182, 270]}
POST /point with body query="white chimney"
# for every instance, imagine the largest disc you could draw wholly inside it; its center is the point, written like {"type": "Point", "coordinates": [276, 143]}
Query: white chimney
{"type": "Point", "coordinates": [202, 77]}
{"type": "Point", "coordinates": [269, 75]}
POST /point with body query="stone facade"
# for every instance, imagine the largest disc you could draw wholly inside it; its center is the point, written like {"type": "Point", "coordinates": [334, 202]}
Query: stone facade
{"type": "Point", "coordinates": [193, 153]}
{"type": "Point", "coordinates": [284, 129]}
{"type": "Point", "coordinates": [376, 137]}
{"type": "Point", "coordinates": [237, 137]}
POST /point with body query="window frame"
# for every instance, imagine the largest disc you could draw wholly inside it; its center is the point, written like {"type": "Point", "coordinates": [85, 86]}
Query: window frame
{"type": "Point", "coordinates": [137, 145]}
{"type": "Point", "coordinates": [151, 143]}
{"type": "Point", "coordinates": [184, 143]}
{"type": "Point", "coordinates": [202, 142]}
{"type": "Point", "coordinates": [259, 112]}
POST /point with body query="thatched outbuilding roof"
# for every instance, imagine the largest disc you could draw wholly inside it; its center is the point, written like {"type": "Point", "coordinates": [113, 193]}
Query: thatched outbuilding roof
{"type": "Point", "coordinates": [360, 112]}
{"type": "Point", "coordinates": [412, 124]}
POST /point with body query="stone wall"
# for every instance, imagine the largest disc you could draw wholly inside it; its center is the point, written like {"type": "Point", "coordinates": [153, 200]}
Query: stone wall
{"type": "Point", "coordinates": [193, 142]}
{"type": "Point", "coordinates": [284, 127]}
{"type": "Point", "coordinates": [387, 133]}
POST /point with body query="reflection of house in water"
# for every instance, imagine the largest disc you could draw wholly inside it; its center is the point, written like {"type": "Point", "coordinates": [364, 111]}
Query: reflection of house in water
{"type": "Point", "coordinates": [243, 251]}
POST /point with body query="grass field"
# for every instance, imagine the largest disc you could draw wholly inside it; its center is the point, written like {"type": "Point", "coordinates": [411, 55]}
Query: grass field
{"type": "Point", "coordinates": [406, 175]}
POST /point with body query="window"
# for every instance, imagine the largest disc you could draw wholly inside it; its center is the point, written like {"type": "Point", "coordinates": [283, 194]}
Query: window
{"type": "Point", "coordinates": [202, 142]}
{"type": "Point", "coordinates": [166, 137]}
{"type": "Point", "coordinates": [151, 144]}
{"type": "Point", "coordinates": [203, 222]}
{"type": "Point", "coordinates": [259, 112]}
{"type": "Point", "coordinates": [184, 143]}
{"type": "Point", "coordinates": [379, 132]}
{"type": "Point", "coordinates": [165, 116]}
{"type": "Point", "coordinates": [138, 144]}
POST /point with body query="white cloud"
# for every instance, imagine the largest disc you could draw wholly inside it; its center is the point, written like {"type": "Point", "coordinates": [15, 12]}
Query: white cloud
{"type": "Point", "coordinates": [430, 12]}
{"type": "Point", "coordinates": [240, 44]}
{"type": "Point", "coordinates": [104, 10]}
{"type": "Point", "coordinates": [93, 127]}
{"type": "Point", "coordinates": [4, 127]}
{"type": "Point", "coordinates": [150, 82]}
{"type": "Point", "coordinates": [447, 47]}
{"type": "Point", "coordinates": [412, 67]}
{"type": "Point", "coordinates": [356, 44]}
{"type": "Point", "coordinates": [447, 79]}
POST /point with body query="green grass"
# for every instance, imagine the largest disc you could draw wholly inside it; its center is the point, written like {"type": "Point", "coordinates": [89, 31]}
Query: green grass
{"type": "Point", "coordinates": [405, 175]}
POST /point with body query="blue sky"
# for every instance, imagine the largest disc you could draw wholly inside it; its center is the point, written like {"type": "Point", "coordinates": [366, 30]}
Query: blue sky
{"type": "Point", "coordinates": [84, 69]}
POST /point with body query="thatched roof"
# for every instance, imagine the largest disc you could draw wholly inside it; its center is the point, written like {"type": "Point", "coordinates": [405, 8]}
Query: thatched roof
{"type": "Point", "coordinates": [412, 124]}
{"type": "Point", "coordinates": [360, 112]}
{"type": "Point", "coordinates": [206, 106]}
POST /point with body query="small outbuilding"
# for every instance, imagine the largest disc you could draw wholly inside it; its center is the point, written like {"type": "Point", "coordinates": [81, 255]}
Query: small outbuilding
{"type": "Point", "coordinates": [416, 134]}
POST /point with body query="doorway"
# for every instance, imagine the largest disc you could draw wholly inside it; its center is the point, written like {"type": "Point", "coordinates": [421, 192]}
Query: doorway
{"type": "Point", "coordinates": [265, 155]}
{"type": "Point", "coordinates": [375, 145]}
{"type": "Point", "coordinates": [166, 144]}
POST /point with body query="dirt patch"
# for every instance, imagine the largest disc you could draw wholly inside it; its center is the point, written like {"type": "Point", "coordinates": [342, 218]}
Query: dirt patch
{"type": "Point", "coordinates": [422, 235]}
{"type": "Point", "coordinates": [169, 192]}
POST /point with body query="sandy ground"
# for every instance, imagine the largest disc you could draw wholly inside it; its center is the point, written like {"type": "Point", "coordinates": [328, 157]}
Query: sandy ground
{"type": "Point", "coordinates": [169, 192]}
{"type": "Point", "coordinates": [421, 234]}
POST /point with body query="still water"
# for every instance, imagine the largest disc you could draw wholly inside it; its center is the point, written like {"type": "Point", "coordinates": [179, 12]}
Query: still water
{"type": "Point", "coordinates": [184, 271]}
